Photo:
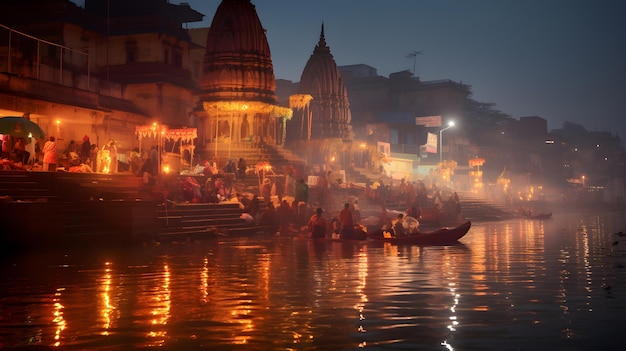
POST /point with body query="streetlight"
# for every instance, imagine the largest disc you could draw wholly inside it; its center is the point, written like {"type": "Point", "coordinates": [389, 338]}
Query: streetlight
{"type": "Point", "coordinates": [450, 125]}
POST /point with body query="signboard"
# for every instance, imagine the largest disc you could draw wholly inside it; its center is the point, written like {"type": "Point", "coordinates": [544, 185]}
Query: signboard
{"type": "Point", "coordinates": [428, 121]}
{"type": "Point", "coordinates": [431, 143]}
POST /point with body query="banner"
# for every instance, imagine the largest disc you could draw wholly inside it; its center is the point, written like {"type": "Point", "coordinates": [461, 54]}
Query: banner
{"type": "Point", "coordinates": [428, 121]}
{"type": "Point", "coordinates": [431, 143]}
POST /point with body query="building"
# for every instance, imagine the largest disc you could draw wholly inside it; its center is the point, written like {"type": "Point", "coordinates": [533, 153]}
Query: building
{"type": "Point", "coordinates": [237, 98]}
{"type": "Point", "coordinates": [98, 71]}
{"type": "Point", "coordinates": [398, 100]}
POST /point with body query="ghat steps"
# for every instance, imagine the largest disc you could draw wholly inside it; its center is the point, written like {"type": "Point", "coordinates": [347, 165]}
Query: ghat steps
{"type": "Point", "coordinates": [191, 221]}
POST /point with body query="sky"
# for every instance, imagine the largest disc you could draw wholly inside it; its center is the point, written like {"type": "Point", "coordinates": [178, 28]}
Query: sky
{"type": "Point", "coordinates": [563, 60]}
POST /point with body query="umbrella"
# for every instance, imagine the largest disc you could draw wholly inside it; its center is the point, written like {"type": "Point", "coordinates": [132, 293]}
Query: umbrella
{"type": "Point", "coordinates": [20, 127]}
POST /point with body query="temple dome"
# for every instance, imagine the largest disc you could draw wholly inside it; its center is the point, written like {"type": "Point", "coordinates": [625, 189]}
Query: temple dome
{"type": "Point", "coordinates": [330, 108]}
{"type": "Point", "coordinates": [237, 63]}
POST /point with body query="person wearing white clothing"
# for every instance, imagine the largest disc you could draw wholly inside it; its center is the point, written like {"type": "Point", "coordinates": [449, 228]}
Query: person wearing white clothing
{"type": "Point", "coordinates": [50, 155]}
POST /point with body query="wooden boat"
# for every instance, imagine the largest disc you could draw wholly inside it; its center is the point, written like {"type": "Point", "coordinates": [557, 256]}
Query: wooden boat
{"type": "Point", "coordinates": [430, 215]}
{"type": "Point", "coordinates": [539, 215]}
{"type": "Point", "coordinates": [443, 236]}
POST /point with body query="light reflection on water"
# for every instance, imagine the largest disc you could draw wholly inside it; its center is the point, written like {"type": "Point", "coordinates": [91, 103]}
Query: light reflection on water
{"type": "Point", "coordinates": [519, 284]}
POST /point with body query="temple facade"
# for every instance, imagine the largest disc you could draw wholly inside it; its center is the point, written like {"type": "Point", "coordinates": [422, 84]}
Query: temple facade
{"type": "Point", "coordinates": [327, 112]}
{"type": "Point", "coordinates": [320, 130]}
{"type": "Point", "coordinates": [237, 98]}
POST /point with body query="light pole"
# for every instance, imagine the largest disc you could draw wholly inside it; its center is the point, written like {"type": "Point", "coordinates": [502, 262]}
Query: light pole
{"type": "Point", "coordinates": [450, 125]}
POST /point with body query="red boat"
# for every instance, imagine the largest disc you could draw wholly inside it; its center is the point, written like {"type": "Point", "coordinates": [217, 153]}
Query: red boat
{"type": "Point", "coordinates": [443, 236]}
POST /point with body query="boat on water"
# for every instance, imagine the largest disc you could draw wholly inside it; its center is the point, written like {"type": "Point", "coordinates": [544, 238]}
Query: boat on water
{"type": "Point", "coordinates": [546, 215]}
{"type": "Point", "coordinates": [443, 236]}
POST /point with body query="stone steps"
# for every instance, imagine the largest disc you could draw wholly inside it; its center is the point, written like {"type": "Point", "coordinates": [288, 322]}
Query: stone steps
{"type": "Point", "coordinates": [27, 186]}
{"type": "Point", "coordinates": [474, 207]}
{"type": "Point", "coordinates": [197, 221]}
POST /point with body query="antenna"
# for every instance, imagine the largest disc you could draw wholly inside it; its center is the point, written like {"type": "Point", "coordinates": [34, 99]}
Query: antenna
{"type": "Point", "coordinates": [413, 55]}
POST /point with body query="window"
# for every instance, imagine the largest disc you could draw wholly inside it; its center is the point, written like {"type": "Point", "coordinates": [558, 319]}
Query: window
{"type": "Point", "coordinates": [177, 58]}
{"type": "Point", "coordinates": [131, 51]}
{"type": "Point", "coordinates": [130, 56]}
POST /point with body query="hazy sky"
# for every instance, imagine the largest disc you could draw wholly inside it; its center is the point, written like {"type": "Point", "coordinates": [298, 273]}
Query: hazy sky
{"type": "Point", "coordinates": [564, 60]}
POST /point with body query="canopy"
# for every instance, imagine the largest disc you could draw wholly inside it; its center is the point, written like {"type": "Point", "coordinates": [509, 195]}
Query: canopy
{"type": "Point", "coordinates": [186, 135]}
{"type": "Point", "coordinates": [256, 106]}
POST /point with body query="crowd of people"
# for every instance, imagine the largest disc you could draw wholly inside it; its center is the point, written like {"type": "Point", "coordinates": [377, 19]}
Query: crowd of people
{"type": "Point", "coordinates": [23, 154]}
{"type": "Point", "coordinates": [15, 156]}
{"type": "Point", "coordinates": [283, 202]}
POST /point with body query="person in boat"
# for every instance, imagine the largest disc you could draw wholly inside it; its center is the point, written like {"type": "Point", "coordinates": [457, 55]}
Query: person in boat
{"type": "Point", "coordinates": [398, 227]}
{"type": "Point", "coordinates": [317, 224]}
{"type": "Point", "coordinates": [347, 223]}
{"type": "Point", "coordinates": [414, 211]}
{"type": "Point", "coordinates": [356, 211]}
{"type": "Point", "coordinates": [359, 232]}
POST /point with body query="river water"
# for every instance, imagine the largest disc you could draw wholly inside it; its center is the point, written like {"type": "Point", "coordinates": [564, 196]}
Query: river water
{"type": "Point", "coordinates": [558, 284]}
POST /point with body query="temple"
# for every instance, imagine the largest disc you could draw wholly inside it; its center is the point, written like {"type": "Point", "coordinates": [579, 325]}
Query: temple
{"type": "Point", "coordinates": [320, 130]}
{"type": "Point", "coordinates": [328, 113]}
{"type": "Point", "coordinates": [237, 98]}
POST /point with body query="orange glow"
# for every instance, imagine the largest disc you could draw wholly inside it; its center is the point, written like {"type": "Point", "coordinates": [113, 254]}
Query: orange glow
{"type": "Point", "coordinates": [476, 162]}
{"type": "Point", "coordinates": [161, 311]}
{"type": "Point", "coordinates": [106, 309]}
{"type": "Point", "coordinates": [105, 161]}
{"type": "Point", "coordinates": [204, 280]}
{"type": "Point", "coordinates": [58, 320]}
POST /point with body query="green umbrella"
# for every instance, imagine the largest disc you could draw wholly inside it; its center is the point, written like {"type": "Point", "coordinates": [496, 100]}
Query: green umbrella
{"type": "Point", "coordinates": [20, 127]}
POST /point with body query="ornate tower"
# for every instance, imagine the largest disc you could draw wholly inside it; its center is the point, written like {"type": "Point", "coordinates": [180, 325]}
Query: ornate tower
{"type": "Point", "coordinates": [237, 62]}
{"type": "Point", "coordinates": [237, 88]}
{"type": "Point", "coordinates": [329, 110]}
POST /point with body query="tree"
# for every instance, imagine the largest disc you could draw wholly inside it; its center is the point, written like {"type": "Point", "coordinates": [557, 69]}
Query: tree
{"type": "Point", "coordinates": [483, 121]}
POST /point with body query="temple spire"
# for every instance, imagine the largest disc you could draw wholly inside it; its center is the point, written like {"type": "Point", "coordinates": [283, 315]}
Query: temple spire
{"type": "Point", "coordinates": [330, 109]}
{"type": "Point", "coordinates": [321, 45]}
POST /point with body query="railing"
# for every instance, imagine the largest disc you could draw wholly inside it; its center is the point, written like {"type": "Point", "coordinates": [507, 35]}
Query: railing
{"type": "Point", "coordinates": [14, 54]}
